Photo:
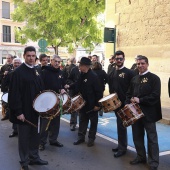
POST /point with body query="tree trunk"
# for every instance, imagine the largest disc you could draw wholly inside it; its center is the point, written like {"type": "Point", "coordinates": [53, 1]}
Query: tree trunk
{"type": "Point", "coordinates": [55, 49]}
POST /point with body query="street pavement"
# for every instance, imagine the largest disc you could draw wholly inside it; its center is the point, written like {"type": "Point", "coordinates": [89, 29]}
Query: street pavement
{"type": "Point", "coordinates": [71, 157]}
{"type": "Point", "coordinates": [81, 157]}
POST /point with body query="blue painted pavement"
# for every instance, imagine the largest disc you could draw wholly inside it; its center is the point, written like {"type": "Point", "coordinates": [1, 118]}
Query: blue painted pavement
{"type": "Point", "coordinates": [107, 126]}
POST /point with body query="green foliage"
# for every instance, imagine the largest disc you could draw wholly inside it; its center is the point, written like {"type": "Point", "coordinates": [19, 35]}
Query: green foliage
{"type": "Point", "coordinates": [68, 23]}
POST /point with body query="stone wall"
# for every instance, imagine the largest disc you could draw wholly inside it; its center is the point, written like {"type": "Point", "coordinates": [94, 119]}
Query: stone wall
{"type": "Point", "coordinates": [143, 27]}
{"type": "Point", "coordinates": [143, 22]}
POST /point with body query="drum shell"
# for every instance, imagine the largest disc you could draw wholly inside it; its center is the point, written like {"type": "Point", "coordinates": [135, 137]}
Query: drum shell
{"type": "Point", "coordinates": [76, 104]}
{"type": "Point", "coordinates": [67, 104]}
{"type": "Point", "coordinates": [111, 103]}
{"type": "Point", "coordinates": [130, 114]}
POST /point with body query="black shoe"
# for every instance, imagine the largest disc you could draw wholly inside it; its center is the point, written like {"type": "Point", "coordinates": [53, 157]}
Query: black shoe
{"type": "Point", "coordinates": [79, 142]}
{"type": "Point", "coordinates": [115, 150]}
{"type": "Point", "coordinates": [24, 168]}
{"type": "Point", "coordinates": [119, 154]}
{"type": "Point", "coordinates": [90, 143]}
{"type": "Point", "coordinates": [153, 168]}
{"type": "Point", "coordinates": [13, 134]}
{"type": "Point", "coordinates": [38, 162]}
{"type": "Point", "coordinates": [58, 144]}
{"type": "Point", "coordinates": [137, 161]}
{"type": "Point", "coordinates": [41, 147]}
{"type": "Point", "coordinates": [5, 118]}
{"type": "Point", "coordinates": [72, 128]}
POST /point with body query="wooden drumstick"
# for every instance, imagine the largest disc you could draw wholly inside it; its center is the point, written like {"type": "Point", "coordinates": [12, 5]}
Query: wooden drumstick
{"type": "Point", "coordinates": [25, 120]}
{"type": "Point", "coordinates": [90, 111]}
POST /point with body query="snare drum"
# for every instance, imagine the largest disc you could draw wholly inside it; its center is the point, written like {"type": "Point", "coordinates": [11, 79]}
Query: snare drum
{"type": "Point", "coordinates": [4, 98]}
{"type": "Point", "coordinates": [47, 104]}
{"type": "Point", "coordinates": [110, 102]}
{"type": "Point", "coordinates": [66, 100]}
{"type": "Point", "coordinates": [77, 103]}
{"type": "Point", "coordinates": [130, 114]}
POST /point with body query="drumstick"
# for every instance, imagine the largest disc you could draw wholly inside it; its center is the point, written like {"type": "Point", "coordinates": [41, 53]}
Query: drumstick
{"type": "Point", "coordinates": [90, 111]}
{"type": "Point", "coordinates": [25, 120]}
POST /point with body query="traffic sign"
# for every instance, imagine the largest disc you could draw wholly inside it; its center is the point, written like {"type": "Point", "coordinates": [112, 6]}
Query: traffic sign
{"type": "Point", "coordinates": [42, 43]}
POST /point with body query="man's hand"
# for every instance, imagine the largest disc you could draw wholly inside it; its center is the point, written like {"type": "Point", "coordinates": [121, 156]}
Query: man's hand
{"type": "Point", "coordinates": [96, 108]}
{"type": "Point", "coordinates": [66, 86]}
{"type": "Point", "coordinates": [21, 117]}
{"type": "Point", "coordinates": [135, 100]}
{"type": "Point", "coordinates": [6, 72]}
{"type": "Point", "coordinates": [62, 91]}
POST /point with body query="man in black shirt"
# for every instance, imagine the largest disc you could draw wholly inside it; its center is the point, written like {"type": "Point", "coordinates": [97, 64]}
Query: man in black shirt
{"type": "Point", "coordinates": [90, 88]}
{"type": "Point", "coordinates": [25, 85]}
{"type": "Point", "coordinates": [119, 81]}
{"type": "Point", "coordinates": [53, 80]}
{"type": "Point", "coordinates": [145, 90]}
{"type": "Point", "coordinates": [111, 65]}
{"type": "Point", "coordinates": [73, 75]}
{"type": "Point", "coordinates": [5, 69]}
{"type": "Point", "coordinates": [16, 63]}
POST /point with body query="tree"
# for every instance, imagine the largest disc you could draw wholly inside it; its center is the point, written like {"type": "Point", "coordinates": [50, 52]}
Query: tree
{"type": "Point", "coordinates": [68, 23]}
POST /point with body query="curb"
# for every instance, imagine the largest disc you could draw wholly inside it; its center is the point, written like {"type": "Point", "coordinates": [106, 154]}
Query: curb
{"type": "Point", "coordinates": [165, 121]}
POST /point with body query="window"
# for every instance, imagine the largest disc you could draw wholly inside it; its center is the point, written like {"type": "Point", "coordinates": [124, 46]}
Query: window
{"type": "Point", "coordinates": [5, 10]}
{"type": "Point", "coordinates": [6, 33]}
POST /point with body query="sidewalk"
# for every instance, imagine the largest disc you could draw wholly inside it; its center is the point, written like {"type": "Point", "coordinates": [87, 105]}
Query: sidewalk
{"type": "Point", "coordinates": [165, 116]}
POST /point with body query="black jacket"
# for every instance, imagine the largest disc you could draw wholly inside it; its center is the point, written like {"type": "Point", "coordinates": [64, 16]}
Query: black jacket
{"type": "Point", "coordinates": [25, 85]}
{"type": "Point", "coordinates": [147, 88]}
{"type": "Point", "coordinates": [102, 77]}
{"type": "Point", "coordinates": [119, 81]}
{"type": "Point", "coordinates": [90, 88]}
{"type": "Point", "coordinates": [3, 77]}
{"type": "Point", "coordinates": [53, 79]}
{"type": "Point", "coordinates": [72, 78]}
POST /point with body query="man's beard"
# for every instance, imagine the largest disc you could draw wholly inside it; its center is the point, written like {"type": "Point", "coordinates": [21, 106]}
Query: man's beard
{"type": "Point", "coordinates": [119, 65]}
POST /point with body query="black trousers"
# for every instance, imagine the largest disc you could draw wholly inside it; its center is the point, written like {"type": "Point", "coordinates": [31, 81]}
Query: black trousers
{"type": "Point", "coordinates": [28, 142]}
{"type": "Point", "coordinates": [73, 119]}
{"type": "Point", "coordinates": [53, 130]}
{"type": "Point", "coordinates": [139, 129]}
{"type": "Point", "coordinates": [83, 124]}
{"type": "Point", "coordinates": [122, 134]}
{"type": "Point", "coordinates": [14, 127]}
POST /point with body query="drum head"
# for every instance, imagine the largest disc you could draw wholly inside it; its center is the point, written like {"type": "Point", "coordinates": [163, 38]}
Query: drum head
{"type": "Point", "coordinates": [107, 97]}
{"type": "Point", "coordinates": [64, 98]}
{"type": "Point", "coordinates": [45, 101]}
{"type": "Point", "coordinates": [5, 98]}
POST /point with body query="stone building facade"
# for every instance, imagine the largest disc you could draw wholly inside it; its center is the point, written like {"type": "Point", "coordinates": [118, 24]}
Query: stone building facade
{"type": "Point", "coordinates": [143, 27]}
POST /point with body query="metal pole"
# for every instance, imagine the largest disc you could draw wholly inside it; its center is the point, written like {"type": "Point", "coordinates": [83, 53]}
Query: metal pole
{"type": "Point", "coordinates": [115, 39]}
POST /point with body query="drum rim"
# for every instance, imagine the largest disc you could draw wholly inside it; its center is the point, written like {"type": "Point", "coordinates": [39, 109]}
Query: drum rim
{"type": "Point", "coordinates": [106, 96]}
{"type": "Point", "coordinates": [57, 103]}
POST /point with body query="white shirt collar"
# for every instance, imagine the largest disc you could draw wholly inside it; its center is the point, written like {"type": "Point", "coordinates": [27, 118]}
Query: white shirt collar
{"type": "Point", "coordinates": [29, 65]}
{"type": "Point", "coordinates": [117, 68]}
{"type": "Point", "coordinates": [144, 73]}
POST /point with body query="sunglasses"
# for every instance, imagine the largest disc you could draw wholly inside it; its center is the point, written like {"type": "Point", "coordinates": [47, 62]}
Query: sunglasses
{"type": "Point", "coordinates": [121, 59]}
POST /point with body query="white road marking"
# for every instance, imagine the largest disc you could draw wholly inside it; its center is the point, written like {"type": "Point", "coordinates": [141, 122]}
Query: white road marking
{"type": "Point", "coordinates": [115, 141]}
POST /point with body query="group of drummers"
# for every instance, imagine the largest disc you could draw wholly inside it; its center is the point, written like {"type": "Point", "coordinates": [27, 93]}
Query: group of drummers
{"type": "Point", "coordinates": [39, 94]}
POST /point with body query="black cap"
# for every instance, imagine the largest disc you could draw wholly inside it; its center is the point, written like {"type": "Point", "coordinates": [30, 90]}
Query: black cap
{"type": "Point", "coordinates": [85, 61]}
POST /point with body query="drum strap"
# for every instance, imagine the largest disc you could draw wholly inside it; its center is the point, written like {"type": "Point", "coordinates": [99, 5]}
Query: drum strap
{"type": "Point", "coordinates": [48, 124]}
{"type": "Point", "coordinates": [53, 116]}
{"type": "Point", "coordinates": [61, 107]}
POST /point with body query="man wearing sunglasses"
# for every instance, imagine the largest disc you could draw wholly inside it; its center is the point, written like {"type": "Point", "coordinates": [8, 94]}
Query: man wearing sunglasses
{"type": "Point", "coordinates": [119, 80]}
